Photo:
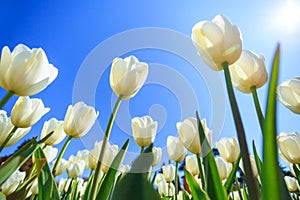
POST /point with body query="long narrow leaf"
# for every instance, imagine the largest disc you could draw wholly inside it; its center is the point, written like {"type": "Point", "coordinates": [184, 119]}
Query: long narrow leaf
{"type": "Point", "coordinates": [257, 159]}
{"type": "Point", "coordinates": [110, 177]}
{"type": "Point", "coordinates": [232, 175]}
{"type": "Point", "coordinates": [197, 192]}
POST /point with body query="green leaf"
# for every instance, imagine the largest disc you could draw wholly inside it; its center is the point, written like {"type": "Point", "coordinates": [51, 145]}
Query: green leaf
{"type": "Point", "coordinates": [297, 172]}
{"type": "Point", "coordinates": [197, 192]}
{"type": "Point", "coordinates": [2, 196]}
{"type": "Point", "coordinates": [17, 160]}
{"type": "Point", "coordinates": [245, 195]}
{"type": "Point", "coordinates": [135, 185]}
{"type": "Point", "coordinates": [232, 175]}
{"type": "Point", "coordinates": [257, 159]}
{"type": "Point", "coordinates": [46, 183]}
{"type": "Point", "coordinates": [88, 188]}
{"type": "Point", "coordinates": [273, 184]}
{"type": "Point", "coordinates": [109, 180]}
{"type": "Point", "coordinates": [185, 195]}
{"type": "Point", "coordinates": [215, 188]}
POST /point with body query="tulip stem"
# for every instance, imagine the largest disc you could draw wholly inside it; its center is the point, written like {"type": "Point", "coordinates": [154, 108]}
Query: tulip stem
{"type": "Point", "coordinates": [61, 153]}
{"type": "Point", "coordinates": [12, 132]}
{"type": "Point", "coordinates": [95, 181]}
{"type": "Point", "coordinates": [259, 113]}
{"type": "Point", "coordinates": [202, 178]}
{"type": "Point", "coordinates": [142, 149]}
{"type": "Point", "coordinates": [176, 181]}
{"type": "Point", "coordinates": [250, 180]}
{"type": "Point", "coordinates": [5, 99]}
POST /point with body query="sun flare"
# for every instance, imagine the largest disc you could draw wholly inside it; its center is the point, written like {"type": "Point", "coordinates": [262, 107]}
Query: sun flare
{"type": "Point", "coordinates": [290, 16]}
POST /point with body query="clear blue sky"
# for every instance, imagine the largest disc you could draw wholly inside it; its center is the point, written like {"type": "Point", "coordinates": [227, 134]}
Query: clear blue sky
{"type": "Point", "coordinates": [69, 30]}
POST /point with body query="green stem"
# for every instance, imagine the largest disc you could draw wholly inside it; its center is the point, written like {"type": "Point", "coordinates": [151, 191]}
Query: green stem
{"type": "Point", "coordinates": [250, 180]}
{"type": "Point", "coordinates": [105, 140]}
{"type": "Point", "coordinates": [176, 181]}
{"type": "Point", "coordinates": [153, 178]}
{"type": "Point", "coordinates": [142, 150]}
{"type": "Point", "coordinates": [10, 135]}
{"type": "Point", "coordinates": [259, 113]}
{"type": "Point", "coordinates": [5, 99]}
{"type": "Point", "coordinates": [61, 153]}
{"type": "Point", "coordinates": [202, 178]}
{"type": "Point", "coordinates": [238, 188]}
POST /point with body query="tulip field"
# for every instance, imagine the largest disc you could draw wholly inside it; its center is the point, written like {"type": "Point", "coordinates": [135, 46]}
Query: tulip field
{"type": "Point", "coordinates": [199, 169]}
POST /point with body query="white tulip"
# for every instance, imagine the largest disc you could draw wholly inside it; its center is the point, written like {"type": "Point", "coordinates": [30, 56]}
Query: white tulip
{"type": "Point", "coordinates": [249, 70]}
{"type": "Point", "coordinates": [217, 41]}
{"type": "Point", "coordinates": [224, 168]}
{"type": "Point", "coordinates": [127, 76]}
{"type": "Point", "coordinates": [176, 150]}
{"type": "Point", "coordinates": [289, 147]}
{"type": "Point", "coordinates": [291, 183]}
{"type": "Point", "coordinates": [157, 153]}
{"type": "Point", "coordinates": [12, 183]}
{"type": "Point", "coordinates": [34, 187]}
{"type": "Point", "coordinates": [228, 149]}
{"type": "Point", "coordinates": [169, 172]}
{"type": "Point", "coordinates": [253, 165]}
{"type": "Point", "coordinates": [25, 71]}
{"type": "Point", "coordinates": [159, 178]}
{"type": "Point", "coordinates": [191, 164]}
{"type": "Point", "coordinates": [289, 94]}
{"type": "Point", "coordinates": [61, 167]}
{"type": "Point", "coordinates": [50, 153]}
{"type": "Point", "coordinates": [58, 131]}
{"type": "Point", "coordinates": [166, 189]}
{"type": "Point", "coordinates": [189, 136]}
{"type": "Point", "coordinates": [79, 119]}
{"type": "Point", "coordinates": [143, 130]}
{"type": "Point", "coordinates": [75, 169]}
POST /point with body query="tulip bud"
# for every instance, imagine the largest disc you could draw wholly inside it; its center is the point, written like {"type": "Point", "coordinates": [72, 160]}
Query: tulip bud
{"type": "Point", "coordinates": [75, 169]}
{"type": "Point", "coordinates": [249, 70]}
{"type": "Point", "coordinates": [217, 41]}
{"type": "Point", "coordinates": [156, 155]}
{"type": "Point", "coordinates": [79, 119]}
{"type": "Point", "coordinates": [127, 76]}
{"type": "Point", "coordinates": [191, 164]}
{"type": "Point", "coordinates": [288, 94]}
{"type": "Point", "coordinates": [58, 131]}
{"type": "Point", "coordinates": [25, 71]}
{"type": "Point", "coordinates": [169, 172]}
{"type": "Point", "coordinates": [175, 148]}
{"type": "Point", "coordinates": [224, 168]}
{"type": "Point", "coordinates": [291, 183]}
{"type": "Point", "coordinates": [289, 147]}
{"type": "Point", "coordinates": [253, 165]}
{"type": "Point", "coordinates": [228, 149]}
{"type": "Point", "coordinates": [143, 130]}
{"type": "Point", "coordinates": [26, 112]}
{"type": "Point", "coordinates": [189, 136]}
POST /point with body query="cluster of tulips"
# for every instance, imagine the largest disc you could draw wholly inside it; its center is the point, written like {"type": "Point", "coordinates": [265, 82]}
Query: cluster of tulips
{"type": "Point", "coordinates": [25, 72]}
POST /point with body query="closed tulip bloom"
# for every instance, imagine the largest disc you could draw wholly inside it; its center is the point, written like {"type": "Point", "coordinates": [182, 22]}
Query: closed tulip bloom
{"type": "Point", "coordinates": [127, 76]}
{"type": "Point", "coordinates": [143, 130]}
{"type": "Point", "coordinates": [26, 112]}
{"type": "Point", "coordinates": [58, 131]}
{"type": "Point", "coordinates": [166, 189]}
{"type": "Point", "coordinates": [289, 94]}
{"type": "Point", "coordinates": [217, 41]}
{"type": "Point", "coordinates": [75, 169]}
{"type": "Point", "coordinates": [224, 168]}
{"type": "Point", "coordinates": [12, 183]}
{"type": "Point", "coordinates": [25, 71]}
{"type": "Point", "coordinates": [34, 188]}
{"type": "Point", "coordinates": [169, 172]}
{"type": "Point", "coordinates": [291, 183]}
{"type": "Point", "coordinates": [156, 155]}
{"type": "Point", "coordinates": [79, 119]}
{"type": "Point", "coordinates": [176, 150]}
{"type": "Point", "coordinates": [50, 153]}
{"type": "Point", "coordinates": [63, 184]}
{"type": "Point", "coordinates": [61, 167]}
{"type": "Point", "coordinates": [191, 164]}
{"type": "Point", "coordinates": [289, 147]}
{"type": "Point", "coordinates": [159, 178]}
{"type": "Point", "coordinates": [248, 71]}
{"type": "Point", "coordinates": [228, 149]}
{"type": "Point", "coordinates": [253, 165]}
{"type": "Point", "coordinates": [189, 136]}
{"type": "Point", "coordinates": [5, 128]}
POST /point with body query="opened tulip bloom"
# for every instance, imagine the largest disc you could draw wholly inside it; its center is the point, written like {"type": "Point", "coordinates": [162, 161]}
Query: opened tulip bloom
{"type": "Point", "coordinates": [143, 130]}
{"type": "Point", "coordinates": [26, 112]}
{"type": "Point", "coordinates": [189, 136]}
{"type": "Point", "coordinates": [249, 71]}
{"type": "Point", "coordinates": [25, 71]}
{"type": "Point", "coordinates": [127, 76]}
{"type": "Point", "coordinates": [289, 147]}
{"type": "Point", "coordinates": [55, 126]}
{"type": "Point", "coordinates": [228, 149]}
{"type": "Point", "coordinates": [176, 150]}
{"type": "Point", "coordinates": [289, 94]}
{"type": "Point", "coordinates": [79, 119]}
{"type": "Point", "coordinates": [217, 41]}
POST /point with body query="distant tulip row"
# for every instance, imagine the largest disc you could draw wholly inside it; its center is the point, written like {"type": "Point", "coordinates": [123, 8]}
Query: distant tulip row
{"type": "Point", "coordinates": [25, 72]}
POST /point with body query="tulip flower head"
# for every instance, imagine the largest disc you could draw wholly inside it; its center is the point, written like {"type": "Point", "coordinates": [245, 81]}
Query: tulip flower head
{"type": "Point", "coordinates": [127, 76]}
{"type": "Point", "coordinates": [25, 71]}
{"type": "Point", "coordinates": [79, 119]}
{"type": "Point", "coordinates": [223, 167]}
{"type": "Point", "coordinates": [176, 150]}
{"type": "Point", "coordinates": [291, 183]}
{"type": "Point", "coordinates": [289, 94]}
{"type": "Point", "coordinates": [12, 183]}
{"type": "Point", "coordinates": [157, 152]}
{"type": "Point", "coordinates": [248, 71]}
{"type": "Point", "coordinates": [191, 164]}
{"type": "Point", "coordinates": [217, 41]}
{"type": "Point", "coordinates": [253, 165]}
{"type": "Point", "coordinates": [289, 147]}
{"type": "Point", "coordinates": [26, 112]}
{"type": "Point", "coordinates": [169, 172]}
{"type": "Point", "coordinates": [143, 130]}
{"type": "Point", "coordinates": [58, 131]}
{"type": "Point", "coordinates": [228, 149]}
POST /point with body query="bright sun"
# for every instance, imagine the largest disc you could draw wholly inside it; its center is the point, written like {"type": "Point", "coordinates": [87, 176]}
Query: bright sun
{"type": "Point", "coordinates": [290, 16]}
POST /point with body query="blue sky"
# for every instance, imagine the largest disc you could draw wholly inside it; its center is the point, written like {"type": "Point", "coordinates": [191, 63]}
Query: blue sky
{"type": "Point", "coordinates": [70, 30]}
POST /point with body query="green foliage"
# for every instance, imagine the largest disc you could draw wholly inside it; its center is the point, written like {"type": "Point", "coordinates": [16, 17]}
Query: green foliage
{"type": "Point", "coordinates": [197, 192]}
